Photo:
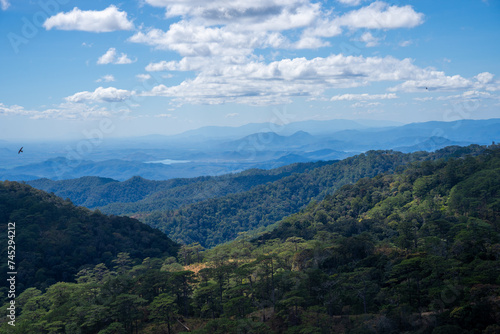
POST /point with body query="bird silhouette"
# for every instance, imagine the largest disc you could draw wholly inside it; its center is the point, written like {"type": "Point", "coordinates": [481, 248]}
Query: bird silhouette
{"type": "Point", "coordinates": [20, 150]}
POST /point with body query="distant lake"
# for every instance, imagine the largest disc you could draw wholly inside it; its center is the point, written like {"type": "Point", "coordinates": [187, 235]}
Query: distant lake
{"type": "Point", "coordinates": [168, 162]}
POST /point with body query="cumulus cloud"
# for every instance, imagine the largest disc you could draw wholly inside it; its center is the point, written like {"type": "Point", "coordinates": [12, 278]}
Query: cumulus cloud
{"type": "Point", "coordinates": [192, 40]}
{"type": "Point", "coordinates": [14, 110]}
{"type": "Point", "coordinates": [364, 104]}
{"type": "Point", "coordinates": [109, 19]}
{"type": "Point", "coordinates": [276, 15]}
{"type": "Point", "coordinates": [434, 80]}
{"type": "Point", "coordinates": [405, 43]}
{"type": "Point", "coordinates": [110, 94]}
{"type": "Point", "coordinates": [143, 77]}
{"type": "Point", "coordinates": [423, 99]}
{"type": "Point", "coordinates": [380, 15]}
{"type": "Point", "coordinates": [279, 81]}
{"type": "Point", "coordinates": [469, 95]}
{"type": "Point", "coordinates": [111, 57]}
{"type": "Point", "coordinates": [106, 78]}
{"type": "Point", "coordinates": [217, 41]}
{"type": "Point", "coordinates": [369, 39]}
{"type": "Point", "coordinates": [437, 80]}
{"type": "Point", "coordinates": [4, 4]}
{"type": "Point", "coordinates": [350, 2]}
{"type": "Point", "coordinates": [484, 78]}
{"type": "Point", "coordinates": [260, 83]}
{"type": "Point", "coordinates": [363, 97]}
{"type": "Point", "coordinates": [66, 110]}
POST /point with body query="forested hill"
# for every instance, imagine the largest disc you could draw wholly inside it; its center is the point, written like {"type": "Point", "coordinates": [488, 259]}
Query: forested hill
{"type": "Point", "coordinates": [220, 219]}
{"type": "Point", "coordinates": [54, 239]}
{"type": "Point", "coordinates": [417, 251]}
{"type": "Point", "coordinates": [425, 207]}
{"type": "Point", "coordinates": [140, 195]}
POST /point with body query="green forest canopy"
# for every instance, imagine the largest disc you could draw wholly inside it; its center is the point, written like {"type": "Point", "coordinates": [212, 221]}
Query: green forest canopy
{"type": "Point", "coordinates": [416, 251]}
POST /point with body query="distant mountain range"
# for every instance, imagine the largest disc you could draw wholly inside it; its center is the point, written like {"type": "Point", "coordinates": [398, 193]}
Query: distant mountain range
{"type": "Point", "coordinates": [222, 150]}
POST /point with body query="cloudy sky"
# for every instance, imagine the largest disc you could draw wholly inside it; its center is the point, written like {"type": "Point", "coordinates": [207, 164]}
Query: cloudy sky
{"type": "Point", "coordinates": [69, 67]}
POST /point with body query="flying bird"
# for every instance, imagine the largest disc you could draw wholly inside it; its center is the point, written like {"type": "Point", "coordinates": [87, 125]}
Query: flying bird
{"type": "Point", "coordinates": [20, 150]}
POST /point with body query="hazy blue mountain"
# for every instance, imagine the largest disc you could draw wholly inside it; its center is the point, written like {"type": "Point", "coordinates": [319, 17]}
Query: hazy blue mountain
{"type": "Point", "coordinates": [282, 127]}
{"type": "Point", "coordinates": [220, 150]}
{"type": "Point", "coordinates": [464, 131]}
{"type": "Point", "coordinates": [272, 141]}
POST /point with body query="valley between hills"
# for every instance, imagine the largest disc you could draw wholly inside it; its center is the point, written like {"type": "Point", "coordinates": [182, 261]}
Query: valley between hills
{"type": "Point", "coordinates": [380, 242]}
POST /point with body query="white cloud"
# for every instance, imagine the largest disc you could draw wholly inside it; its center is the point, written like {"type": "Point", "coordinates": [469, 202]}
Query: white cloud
{"type": "Point", "coordinates": [364, 104]}
{"type": "Point", "coordinates": [469, 95]}
{"type": "Point", "coordinates": [4, 4]}
{"type": "Point", "coordinates": [123, 59]}
{"type": "Point", "coordinates": [110, 57]}
{"type": "Point", "coordinates": [143, 77]}
{"type": "Point", "coordinates": [379, 15]}
{"type": "Point", "coordinates": [279, 81]}
{"type": "Point", "coordinates": [434, 80]}
{"type": "Point", "coordinates": [430, 80]}
{"type": "Point", "coordinates": [66, 110]}
{"type": "Point", "coordinates": [405, 43]}
{"type": "Point", "coordinates": [110, 94]}
{"type": "Point", "coordinates": [484, 78]}
{"type": "Point", "coordinates": [268, 15]}
{"type": "Point", "coordinates": [231, 115]}
{"type": "Point", "coordinates": [189, 39]}
{"type": "Point", "coordinates": [106, 78]}
{"type": "Point", "coordinates": [423, 99]}
{"type": "Point", "coordinates": [369, 39]}
{"type": "Point", "coordinates": [363, 97]}
{"type": "Point", "coordinates": [109, 19]}
{"type": "Point", "coordinates": [217, 41]}
{"type": "Point", "coordinates": [350, 2]}
{"type": "Point", "coordinates": [259, 83]}
{"type": "Point", "coordinates": [14, 110]}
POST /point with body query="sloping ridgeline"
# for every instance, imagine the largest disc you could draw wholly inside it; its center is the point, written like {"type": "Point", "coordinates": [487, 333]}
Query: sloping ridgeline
{"type": "Point", "coordinates": [54, 239]}
{"type": "Point", "coordinates": [138, 195]}
{"type": "Point", "coordinates": [219, 220]}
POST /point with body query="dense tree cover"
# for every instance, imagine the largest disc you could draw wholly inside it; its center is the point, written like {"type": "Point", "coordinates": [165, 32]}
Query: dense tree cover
{"type": "Point", "coordinates": [54, 239]}
{"type": "Point", "coordinates": [221, 219]}
{"type": "Point", "coordinates": [417, 251]}
{"type": "Point", "coordinates": [138, 195]}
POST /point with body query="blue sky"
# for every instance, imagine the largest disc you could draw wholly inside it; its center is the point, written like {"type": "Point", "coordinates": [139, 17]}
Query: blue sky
{"type": "Point", "coordinates": [69, 68]}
